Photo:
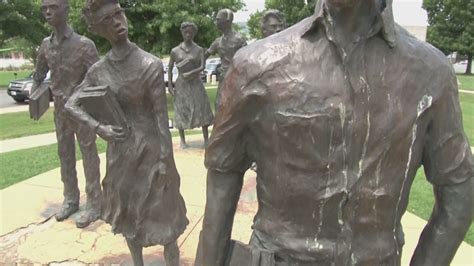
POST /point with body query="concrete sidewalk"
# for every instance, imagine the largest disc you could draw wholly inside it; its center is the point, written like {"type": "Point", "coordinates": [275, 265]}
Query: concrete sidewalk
{"type": "Point", "coordinates": [19, 108]}
{"type": "Point", "coordinates": [29, 234]}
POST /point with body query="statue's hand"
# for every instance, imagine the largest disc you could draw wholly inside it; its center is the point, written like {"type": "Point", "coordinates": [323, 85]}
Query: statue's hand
{"type": "Point", "coordinates": [111, 133]}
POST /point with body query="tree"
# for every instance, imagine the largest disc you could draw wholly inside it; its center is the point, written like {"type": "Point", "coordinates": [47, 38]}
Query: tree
{"type": "Point", "coordinates": [253, 25]}
{"type": "Point", "coordinates": [153, 25]}
{"type": "Point", "coordinates": [451, 26]}
{"type": "Point", "coordinates": [294, 11]}
{"type": "Point", "coordinates": [20, 27]}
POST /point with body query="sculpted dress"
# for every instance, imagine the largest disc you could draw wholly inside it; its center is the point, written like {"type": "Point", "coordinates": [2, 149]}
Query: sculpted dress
{"type": "Point", "coordinates": [137, 202]}
{"type": "Point", "coordinates": [191, 104]}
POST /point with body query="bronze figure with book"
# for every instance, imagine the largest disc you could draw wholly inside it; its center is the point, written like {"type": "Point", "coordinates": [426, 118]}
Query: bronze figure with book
{"type": "Point", "coordinates": [68, 56]}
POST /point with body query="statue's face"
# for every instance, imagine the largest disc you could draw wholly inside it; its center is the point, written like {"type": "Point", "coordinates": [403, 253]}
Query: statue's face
{"type": "Point", "coordinates": [111, 23]}
{"type": "Point", "coordinates": [54, 11]}
{"type": "Point", "coordinates": [188, 33]}
{"type": "Point", "coordinates": [272, 25]}
{"type": "Point", "coordinates": [222, 23]}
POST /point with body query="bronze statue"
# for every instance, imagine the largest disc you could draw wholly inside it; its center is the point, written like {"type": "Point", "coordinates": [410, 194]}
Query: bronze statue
{"type": "Point", "coordinates": [272, 21]}
{"type": "Point", "coordinates": [191, 104]}
{"type": "Point", "coordinates": [68, 56]}
{"type": "Point", "coordinates": [141, 187]}
{"type": "Point", "coordinates": [226, 45]}
{"type": "Point", "coordinates": [339, 112]}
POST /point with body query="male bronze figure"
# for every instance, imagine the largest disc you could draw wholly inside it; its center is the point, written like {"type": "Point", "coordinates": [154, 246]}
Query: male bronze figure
{"type": "Point", "coordinates": [339, 112]}
{"type": "Point", "coordinates": [226, 45]}
{"type": "Point", "coordinates": [272, 21]}
{"type": "Point", "coordinates": [68, 56]}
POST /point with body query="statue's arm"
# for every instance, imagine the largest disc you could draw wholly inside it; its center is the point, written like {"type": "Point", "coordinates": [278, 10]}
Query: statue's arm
{"type": "Point", "coordinates": [74, 108]}
{"type": "Point", "coordinates": [448, 164]}
{"type": "Point", "coordinates": [212, 49]}
{"type": "Point", "coordinates": [41, 68]}
{"type": "Point", "coordinates": [154, 81]}
{"type": "Point", "coordinates": [201, 66]}
{"type": "Point", "coordinates": [222, 196]}
{"type": "Point", "coordinates": [170, 74]}
{"type": "Point", "coordinates": [449, 222]}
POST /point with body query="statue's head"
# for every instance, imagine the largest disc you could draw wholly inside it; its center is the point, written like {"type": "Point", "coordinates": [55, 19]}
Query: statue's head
{"type": "Point", "coordinates": [55, 11]}
{"type": "Point", "coordinates": [224, 19]}
{"type": "Point", "coordinates": [272, 22]}
{"type": "Point", "coordinates": [188, 30]}
{"type": "Point", "coordinates": [106, 18]}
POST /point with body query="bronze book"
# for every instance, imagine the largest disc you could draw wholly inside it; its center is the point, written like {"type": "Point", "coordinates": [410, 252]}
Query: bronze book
{"type": "Point", "coordinates": [39, 101]}
{"type": "Point", "coordinates": [185, 66]}
{"type": "Point", "coordinates": [101, 104]}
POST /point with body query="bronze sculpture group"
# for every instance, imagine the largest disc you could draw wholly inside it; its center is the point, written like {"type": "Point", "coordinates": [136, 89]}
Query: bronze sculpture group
{"type": "Point", "coordinates": [338, 111]}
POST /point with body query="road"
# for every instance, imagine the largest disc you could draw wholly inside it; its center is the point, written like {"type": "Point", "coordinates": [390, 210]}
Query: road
{"type": "Point", "coordinates": [7, 101]}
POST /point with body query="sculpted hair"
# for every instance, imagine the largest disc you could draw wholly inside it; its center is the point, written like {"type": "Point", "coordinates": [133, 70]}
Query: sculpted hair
{"type": "Point", "coordinates": [188, 24]}
{"type": "Point", "coordinates": [91, 6]}
{"type": "Point", "coordinates": [272, 13]}
{"type": "Point", "coordinates": [228, 14]}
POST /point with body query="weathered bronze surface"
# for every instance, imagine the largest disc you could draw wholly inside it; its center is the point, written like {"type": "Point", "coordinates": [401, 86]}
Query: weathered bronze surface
{"type": "Point", "coordinates": [68, 56]}
{"type": "Point", "coordinates": [273, 21]}
{"type": "Point", "coordinates": [339, 112]}
{"type": "Point", "coordinates": [226, 45]}
{"type": "Point", "coordinates": [141, 187]}
{"type": "Point", "coordinates": [191, 104]}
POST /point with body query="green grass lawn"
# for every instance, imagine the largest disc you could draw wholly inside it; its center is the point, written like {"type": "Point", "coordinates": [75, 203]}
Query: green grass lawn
{"type": "Point", "coordinates": [15, 125]}
{"type": "Point", "coordinates": [7, 76]}
{"type": "Point", "coordinates": [17, 166]}
{"type": "Point", "coordinates": [422, 201]}
{"type": "Point", "coordinates": [466, 82]}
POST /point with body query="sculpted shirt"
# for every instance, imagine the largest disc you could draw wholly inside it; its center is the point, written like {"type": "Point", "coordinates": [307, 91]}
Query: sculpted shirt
{"type": "Point", "coordinates": [227, 47]}
{"type": "Point", "coordinates": [68, 59]}
{"type": "Point", "coordinates": [338, 135]}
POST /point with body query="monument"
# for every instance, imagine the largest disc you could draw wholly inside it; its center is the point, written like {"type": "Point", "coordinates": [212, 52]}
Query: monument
{"type": "Point", "coordinates": [339, 112]}
{"type": "Point", "coordinates": [191, 104]}
{"type": "Point", "coordinates": [141, 198]}
{"type": "Point", "coordinates": [226, 45]}
{"type": "Point", "coordinates": [68, 56]}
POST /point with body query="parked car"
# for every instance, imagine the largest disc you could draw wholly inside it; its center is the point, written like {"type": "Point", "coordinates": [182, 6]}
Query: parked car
{"type": "Point", "coordinates": [212, 67]}
{"type": "Point", "coordinates": [175, 75]}
{"type": "Point", "coordinates": [20, 89]}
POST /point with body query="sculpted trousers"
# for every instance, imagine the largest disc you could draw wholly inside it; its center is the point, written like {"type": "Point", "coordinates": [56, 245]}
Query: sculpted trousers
{"type": "Point", "coordinates": [65, 130]}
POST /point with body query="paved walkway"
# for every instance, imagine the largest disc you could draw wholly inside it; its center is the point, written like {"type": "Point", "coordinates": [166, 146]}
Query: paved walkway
{"type": "Point", "coordinates": [29, 234]}
{"type": "Point", "coordinates": [19, 108]}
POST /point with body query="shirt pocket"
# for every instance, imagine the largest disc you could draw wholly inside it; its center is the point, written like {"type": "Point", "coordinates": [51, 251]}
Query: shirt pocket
{"type": "Point", "coordinates": [305, 140]}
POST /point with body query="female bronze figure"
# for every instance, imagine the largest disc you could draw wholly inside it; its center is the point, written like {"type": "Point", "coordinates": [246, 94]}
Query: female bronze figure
{"type": "Point", "coordinates": [191, 104]}
{"type": "Point", "coordinates": [141, 198]}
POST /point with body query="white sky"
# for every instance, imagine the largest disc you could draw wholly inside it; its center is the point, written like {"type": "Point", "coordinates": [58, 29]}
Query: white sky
{"type": "Point", "coordinates": [406, 12]}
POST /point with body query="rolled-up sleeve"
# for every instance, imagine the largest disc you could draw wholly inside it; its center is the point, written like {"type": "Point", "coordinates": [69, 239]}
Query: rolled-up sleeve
{"type": "Point", "coordinates": [226, 151]}
{"type": "Point", "coordinates": [41, 68]}
{"type": "Point", "coordinates": [90, 56]}
{"type": "Point", "coordinates": [447, 157]}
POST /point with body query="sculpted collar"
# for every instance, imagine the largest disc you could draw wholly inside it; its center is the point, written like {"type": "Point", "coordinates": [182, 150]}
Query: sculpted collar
{"type": "Point", "coordinates": [67, 34]}
{"type": "Point", "coordinates": [385, 22]}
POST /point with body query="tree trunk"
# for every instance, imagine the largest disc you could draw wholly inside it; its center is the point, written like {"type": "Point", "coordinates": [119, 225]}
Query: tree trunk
{"type": "Point", "coordinates": [469, 64]}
